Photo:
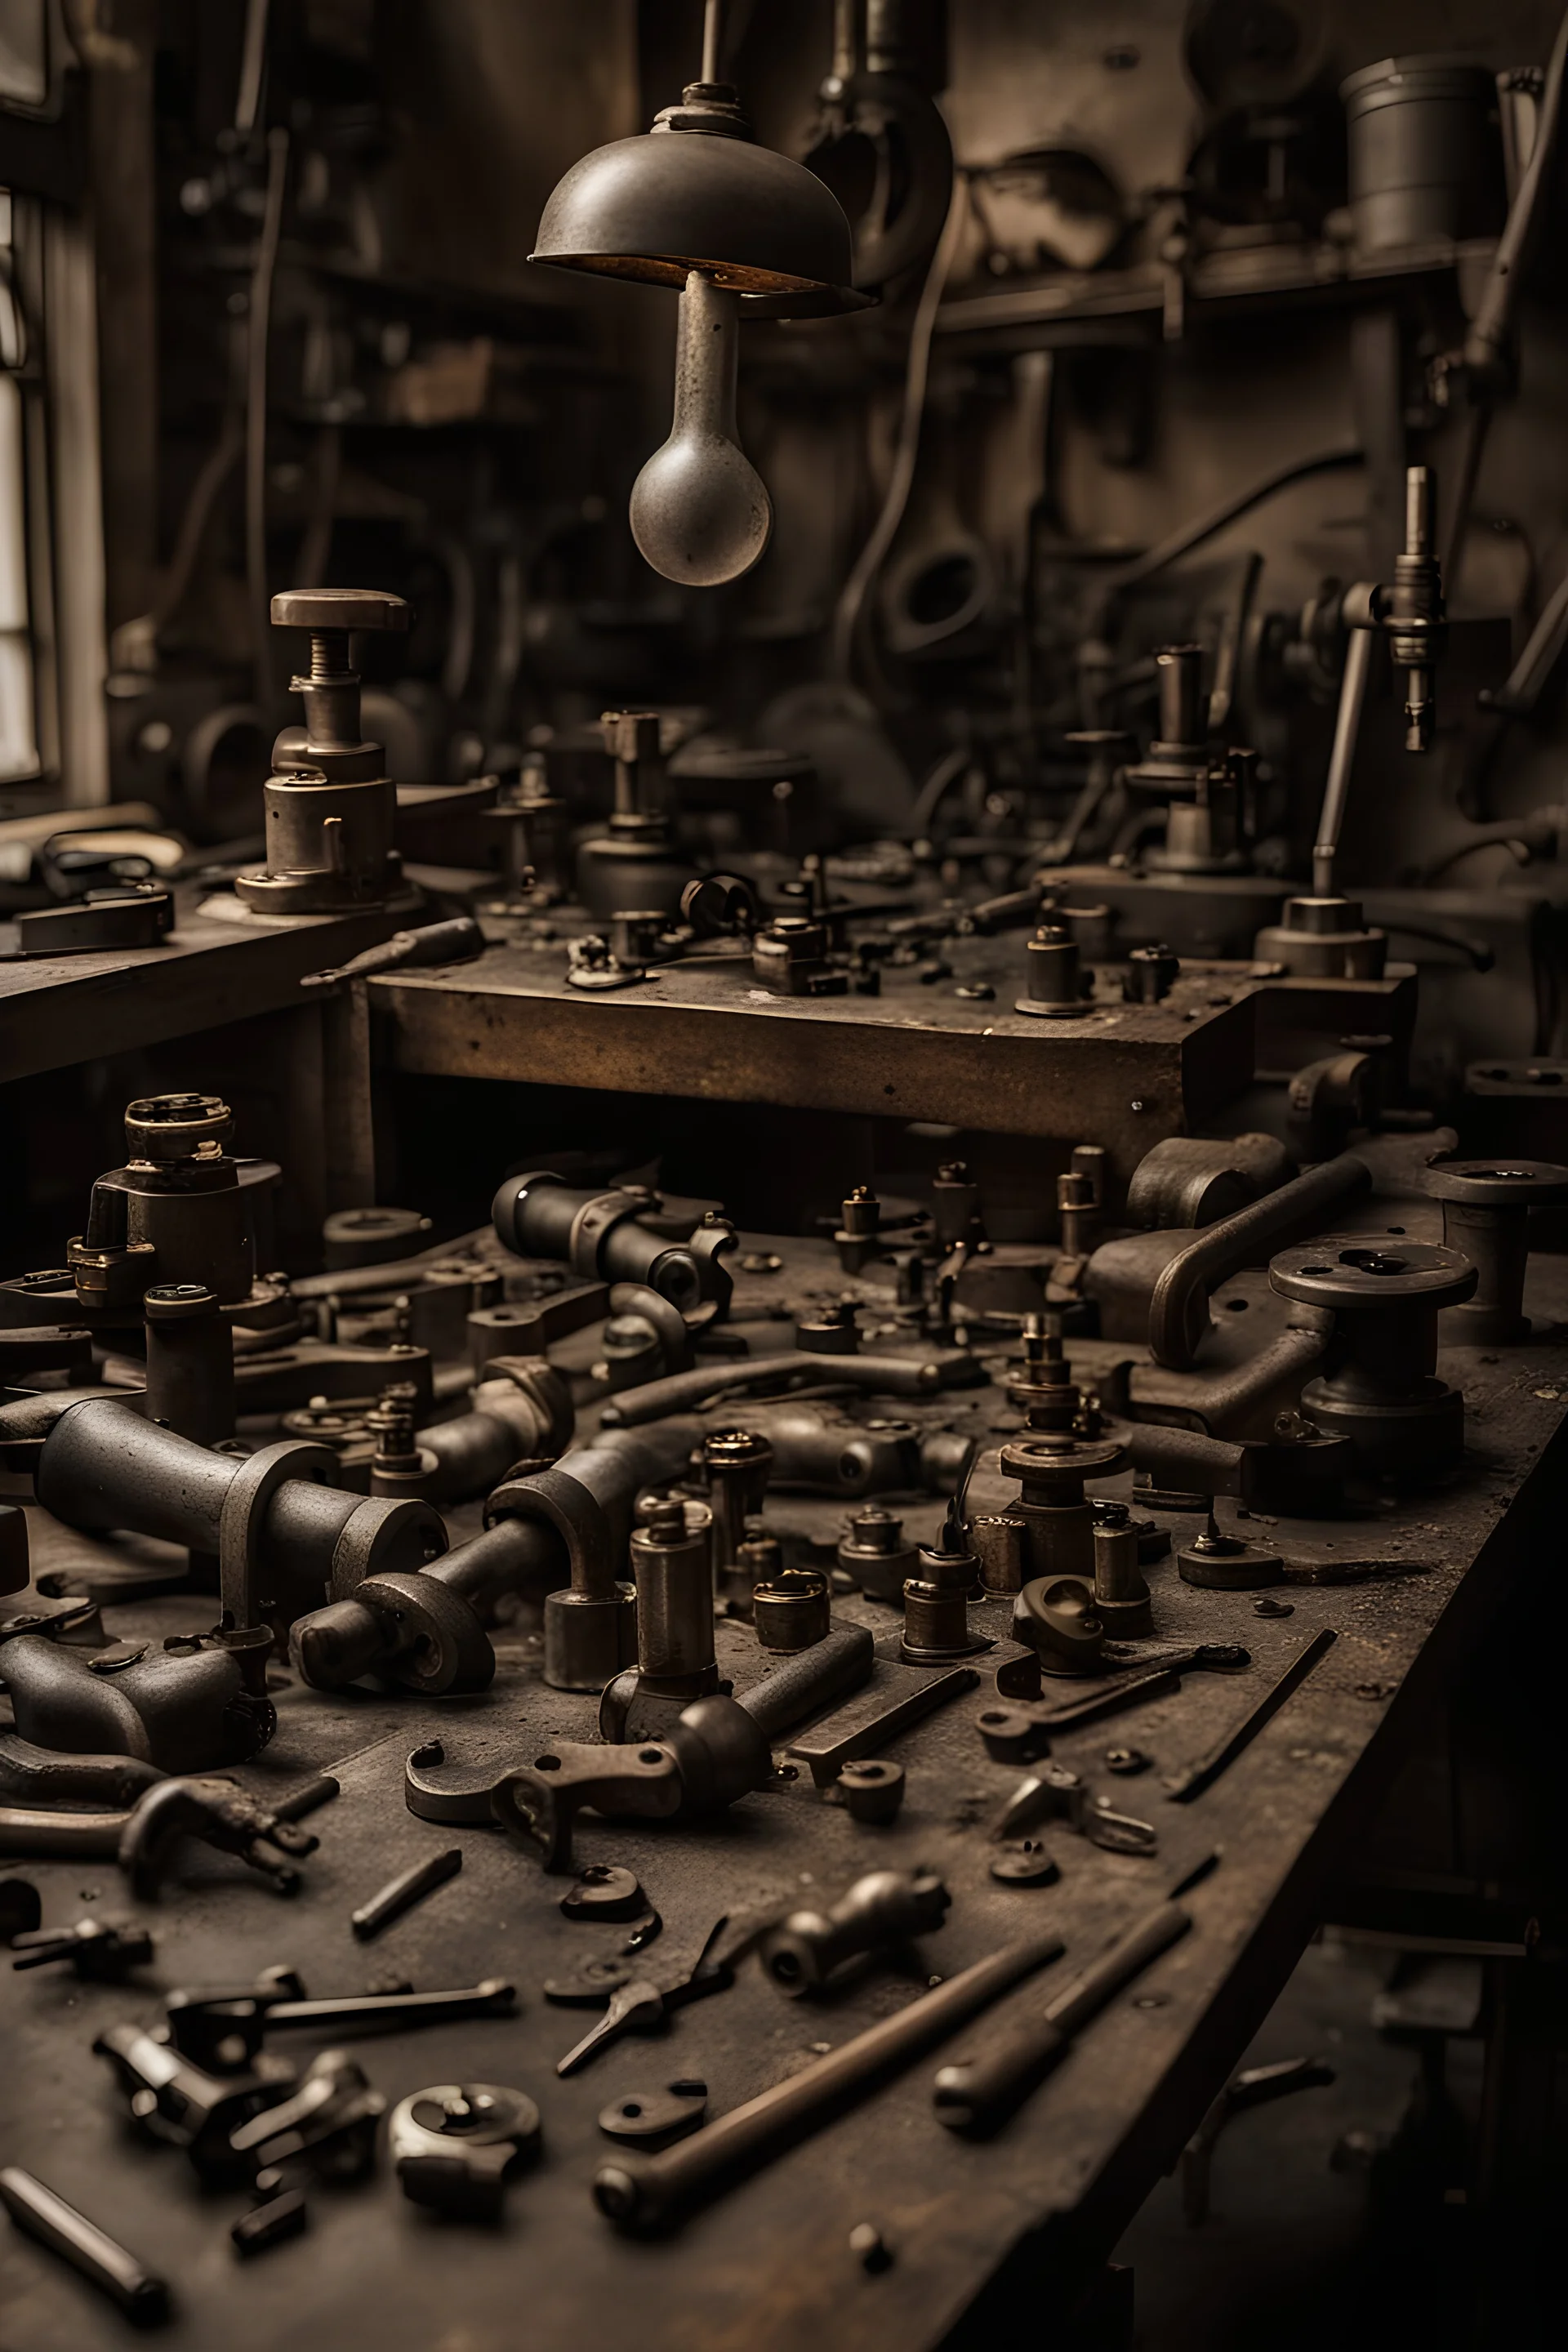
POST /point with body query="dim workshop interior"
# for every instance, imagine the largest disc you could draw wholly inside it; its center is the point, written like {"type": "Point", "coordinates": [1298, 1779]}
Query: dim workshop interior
{"type": "Point", "coordinates": [784, 1174]}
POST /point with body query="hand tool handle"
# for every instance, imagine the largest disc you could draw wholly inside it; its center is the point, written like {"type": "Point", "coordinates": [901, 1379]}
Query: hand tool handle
{"type": "Point", "coordinates": [640, 2192]}
{"type": "Point", "coordinates": [89, 2249]}
{"type": "Point", "coordinates": [979, 2088]}
{"type": "Point", "coordinates": [828, 1670]}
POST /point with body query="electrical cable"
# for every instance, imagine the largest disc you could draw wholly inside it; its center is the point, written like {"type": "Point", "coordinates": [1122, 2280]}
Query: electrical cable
{"type": "Point", "coordinates": [872, 556]}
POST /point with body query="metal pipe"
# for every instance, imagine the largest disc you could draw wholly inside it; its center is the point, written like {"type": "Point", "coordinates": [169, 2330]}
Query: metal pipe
{"type": "Point", "coordinates": [1178, 1310]}
{"type": "Point", "coordinates": [682, 1392]}
{"type": "Point", "coordinates": [1347, 731]}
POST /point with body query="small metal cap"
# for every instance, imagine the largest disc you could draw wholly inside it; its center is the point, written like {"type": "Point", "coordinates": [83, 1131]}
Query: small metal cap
{"type": "Point", "coordinates": [339, 608]}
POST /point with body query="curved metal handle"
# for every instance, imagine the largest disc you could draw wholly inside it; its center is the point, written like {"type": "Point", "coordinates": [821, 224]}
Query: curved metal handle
{"type": "Point", "coordinates": [1178, 1310]}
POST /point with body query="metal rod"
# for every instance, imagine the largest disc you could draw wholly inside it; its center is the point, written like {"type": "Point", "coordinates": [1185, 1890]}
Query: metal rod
{"type": "Point", "coordinates": [40, 2214]}
{"type": "Point", "coordinates": [713, 41]}
{"type": "Point", "coordinates": [1347, 731]}
{"type": "Point", "coordinates": [400, 1893]}
{"type": "Point", "coordinates": [257, 329]}
{"type": "Point", "coordinates": [1195, 1777]}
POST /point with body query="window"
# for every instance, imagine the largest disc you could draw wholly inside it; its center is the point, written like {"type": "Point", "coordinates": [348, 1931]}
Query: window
{"type": "Point", "coordinates": [18, 718]}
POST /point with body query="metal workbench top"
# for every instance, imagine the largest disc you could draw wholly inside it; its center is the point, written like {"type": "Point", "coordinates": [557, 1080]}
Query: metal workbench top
{"type": "Point", "coordinates": [769, 2265]}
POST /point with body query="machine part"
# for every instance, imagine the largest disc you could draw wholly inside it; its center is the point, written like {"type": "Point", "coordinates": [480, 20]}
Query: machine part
{"type": "Point", "coordinates": [1485, 1217]}
{"type": "Point", "coordinates": [1121, 1600]}
{"type": "Point", "coordinates": [1193, 1779]}
{"type": "Point", "coordinates": [1127, 1762]}
{"type": "Point", "coordinates": [654, 2119]}
{"type": "Point", "coordinates": [876, 103]}
{"type": "Point", "coordinates": [1425, 161]}
{"type": "Point", "coordinates": [1381, 1388]}
{"type": "Point", "coordinates": [459, 939]}
{"type": "Point", "coordinates": [645, 2192]}
{"type": "Point", "coordinates": [910, 1376]}
{"type": "Point", "coordinates": [225, 2029]}
{"type": "Point", "coordinates": [532, 822]}
{"type": "Point", "coordinates": [190, 1361]}
{"type": "Point", "coordinates": [875, 1553]}
{"type": "Point", "coordinates": [715, 1750]}
{"type": "Point", "coordinates": [884, 1910]}
{"type": "Point", "coordinates": [1179, 1308]}
{"type": "Point", "coordinates": [43, 1776]}
{"type": "Point", "coordinates": [590, 1627]}
{"type": "Point", "coordinates": [402, 1893]}
{"type": "Point", "coordinates": [91, 2253]}
{"type": "Point", "coordinates": [331, 2120]}
{"type": "Point", "coordinates": [99, 1949]}
{"type": "Point", "coordinates": [602, 1236]}
{"type": "Point", "coordinates": [672, 1569]}
{"type": "Point", "coordinates": [175, 2099]}
{"type": "Point", "coordinates": [1057, 1618]}
{"type": "Point", "coordinates": [1227, 1563]}
{"type": "Point", "coordinates": [1151, 971]}
{"type": "Point", "coordinates": [644, 2006]}
{"type": "Point", "coordinates": [984, 2084]}
{"type": "Point", "coordinates": [219, 1815]}
{"type": "Point", "coordinates": [856, 1730]}
{"type": "Point", "coordinates": [175, 1213]}
{"type": "Point", "coordinates": [426, 1632]}
{"type": "Point", "coordinates": [271, 2223]}
{"type": "Point", "coordinates": [329, 805]}
{"type": "Point", "coordinates": [998, 1542]}
{"type": "Point", "coordinates": [1192, 1181]}
{"type": "Point", "coordinates": [1056, 1519]}
{"type": "Point", "coordinates": [790, 958]}
{"type": "Point", "coordinates": [185, 1708]}
{"type": "Point", "coordinates": [1018, 1735]}
{"type": "Point", "coordinates": [632, 878]}
{"type": "Point", "coordinates": [1254, 2086]}
{"type": "Point", "coordinates": [936, 1603]}
{"type": "Point", "coordinates": [736, 1462]}
{"type": "Point", "coordinates": [1055, 984]}
{"type": "Point", "coordinates": [1056, 1794]}
{"type": "Point", "coordinates": [604, 1892]}
{"type": "Point", "coordinates": [1025, 1861]}
{"type": "Point", "coordinates": [873, 1791]}
{"type": "Point", "coordinates": [792, 1612]}
{"type": "Point", "coordinates": [454, 2147]}
{"type": "Point", "coordinates": [276, 1526]}
{"type": "Point", "coordinates": [522, 1411]}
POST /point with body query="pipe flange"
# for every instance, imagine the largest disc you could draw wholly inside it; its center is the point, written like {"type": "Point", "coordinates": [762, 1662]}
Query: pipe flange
{"type": "Point", "coordinates": [243, 1514]}
{"type": "Point", "coordinates": [1359, 1274]}
{"type": "Point", "coordinates": [381, 1534]}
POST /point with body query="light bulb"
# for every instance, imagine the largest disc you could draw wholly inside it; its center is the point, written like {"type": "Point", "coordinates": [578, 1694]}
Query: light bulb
{"type": "Point", "coordinates": [698, 510]}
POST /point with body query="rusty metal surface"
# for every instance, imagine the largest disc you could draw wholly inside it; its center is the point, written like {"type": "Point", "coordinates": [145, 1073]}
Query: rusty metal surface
{"type": "Point", "coordinates": [770, 2266]}
{"type": "Point", "coordinates": [1125, 1074]}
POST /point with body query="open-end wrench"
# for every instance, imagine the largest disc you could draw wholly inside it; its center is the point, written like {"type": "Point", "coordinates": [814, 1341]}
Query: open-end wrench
{"type": "Point", "coordinates": [643, 2005]}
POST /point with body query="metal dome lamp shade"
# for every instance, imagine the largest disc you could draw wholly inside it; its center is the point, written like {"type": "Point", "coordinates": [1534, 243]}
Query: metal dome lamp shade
{"type": "Point", "coordinates": [697, 204]}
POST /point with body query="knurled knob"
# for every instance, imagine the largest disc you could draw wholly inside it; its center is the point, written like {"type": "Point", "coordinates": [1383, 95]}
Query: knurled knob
{"type": "Point", "coordinates": [339, 608]}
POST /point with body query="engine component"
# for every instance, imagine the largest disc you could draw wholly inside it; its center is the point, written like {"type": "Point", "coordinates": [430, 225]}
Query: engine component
{"type": "Point", "coordinates": [1425, 162]}
{"type": "Point", "coordinates": [190, 1706]}
{"type": "Point", "coordinates": [884, 1909]}
{"type": "Point", "coordinates": [1056, 1519]}
{"type": "Point", "coordinates": [876, 1554]}
{"type": "Point", "coordinates": [278, 1528]}
{"type": "Point", "coordinates": [936, 1603]}
{"type": "Point", "coordinates": [1121, 1600]}
{"type": "Point", "coordinates": [600, 1235]}
{"type": "Point", "coordinates": [714, 1751]}
{"type": "Point", "coordinates": [792, 1612]}
{"type": "Point", "coordinates": [190, 1361]}
{"type": "Point", "coordinates": [97, 2257]}
{"type": "Point", "coordinates": [871, 1792]}
{"type": "Point", "coordinates": [634, 871]}
{"type": "Point", "coordinates": [998, 1542]}
{"type": "Point", "coordinates": [331, 806]}
{"type": "Point", "coordinates": [175, 1214]}
{"type": "Point", "coordinates": [1055, 984]}
{"type": "Point", "coordinates": [737, 1463]}
{"type": "Point", "coordinates": [672, 1567]}
{"type": "Point", "coordinates": [1486, 1215]}
{"type": "Point", "coordinates": [1381, 1388]}
{"type": "Point", "coordinates": [455, 2146]}
{"type": "Point", "coordinates": [1058, 1617]}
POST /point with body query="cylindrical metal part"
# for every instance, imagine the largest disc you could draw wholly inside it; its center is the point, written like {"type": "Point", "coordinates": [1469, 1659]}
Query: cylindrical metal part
{"type": "Point", "coordinates": [329, 844]}
{"type": "Point", "coordinates": [1121, 1596]}
{"type": "Point", "coordinates": [1425, 161]}
{"type": "Point", "coordinates": [190, 1362]}
{"type": "Point", "coordinates": [1053, 972]}
{"type": "Point", "coordinates": [936, 1608]}
{"type": "Point", "coordinates": [792, 1611]}
{"type": "Point", "coordinates": [99, 2258]}
{"type": "Point", "coordinates": [1184, 725]}
{"type": "Point", "coordinates": [737, 1462]}
{"type": "Point", "coordinates": [811, 1679]}
{"type": "Point", "coordinates": [876, 1555]}
{"type": "Point", "coordinates": [672, 1567]}
{"type": "Point", "coordinates": [998, 1544]}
